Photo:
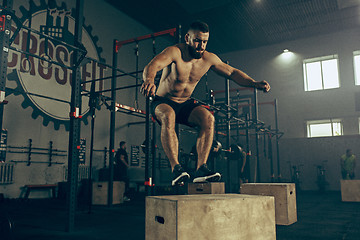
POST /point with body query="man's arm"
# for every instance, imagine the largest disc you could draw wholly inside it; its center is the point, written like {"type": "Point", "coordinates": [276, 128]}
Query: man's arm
{"type": "Point", "coordinates": [159, 62]}
{"type": "Point", "coordinates": [236, 75]}
{"type": "Point", "coordinates": [122, 158]}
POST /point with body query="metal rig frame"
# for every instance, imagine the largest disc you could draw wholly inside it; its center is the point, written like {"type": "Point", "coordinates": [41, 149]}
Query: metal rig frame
{"type": "Point", "coordinates": [251, 124]}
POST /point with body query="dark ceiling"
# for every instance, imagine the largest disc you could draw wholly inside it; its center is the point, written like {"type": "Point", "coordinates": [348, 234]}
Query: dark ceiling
{"type": "Point", "coordinates": [243, 24]}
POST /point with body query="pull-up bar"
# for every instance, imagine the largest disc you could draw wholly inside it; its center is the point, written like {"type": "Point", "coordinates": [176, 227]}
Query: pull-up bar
{"type": "Point", "coordinates": [119, 44]}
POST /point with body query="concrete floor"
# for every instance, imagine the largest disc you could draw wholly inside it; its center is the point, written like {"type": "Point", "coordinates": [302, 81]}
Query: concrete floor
{"type": "Point", "coordinates": [320, 216]}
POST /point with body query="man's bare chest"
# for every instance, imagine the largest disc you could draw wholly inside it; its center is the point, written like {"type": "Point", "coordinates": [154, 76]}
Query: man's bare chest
{"type": "Point", "coordinates": [189, 71]}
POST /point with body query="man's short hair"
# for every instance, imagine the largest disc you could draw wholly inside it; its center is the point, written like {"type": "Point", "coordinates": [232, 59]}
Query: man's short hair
{"type": "Point", "coordinates": [122, 143]}
{"type": "Point", "coordinates": [199, 26]}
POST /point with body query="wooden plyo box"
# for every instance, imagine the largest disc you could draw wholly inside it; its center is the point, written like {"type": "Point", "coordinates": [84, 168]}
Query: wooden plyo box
{"type": "Point", "coordinates": [350, 190]}
{"type": "Point", "coordinates": [210, 217]}
{"type": "Point", "coordinates": [285, 199]}
{"type": "Point", "coordinates": [206, 188]}
{"type": "Point", "coordinates": [100, 192]}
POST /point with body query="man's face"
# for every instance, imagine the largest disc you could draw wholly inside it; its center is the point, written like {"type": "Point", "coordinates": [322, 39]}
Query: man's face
{"type": "Point", "coordinates": [197, 42]}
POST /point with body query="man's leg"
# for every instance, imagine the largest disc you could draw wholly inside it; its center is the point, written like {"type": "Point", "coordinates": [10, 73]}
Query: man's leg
{"type": "Point", "coordinates": [202, 118]}
{"type": "Point", "coordinates": [166, 115]}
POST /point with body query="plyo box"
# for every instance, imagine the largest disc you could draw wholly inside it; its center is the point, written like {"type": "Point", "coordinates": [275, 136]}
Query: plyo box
{"type": "Point", "coordinates": [206, 188]}
{"type": "Point", "coordinates": [285, 199]}
{"type": "Point", "coordinates": [350, 190]}
{"type": "Point", "coordinates": [210, 217]}
{"type": "Point", "coordinates": [100, 192]}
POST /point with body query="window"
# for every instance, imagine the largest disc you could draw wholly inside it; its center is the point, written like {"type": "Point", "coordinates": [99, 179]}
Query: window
{"type": "Point", "coordinates": [324, 128]}
{"type": "Point", "coordinates": [321, 73]}
{"type": "Point", "coordinates": [357, 67]}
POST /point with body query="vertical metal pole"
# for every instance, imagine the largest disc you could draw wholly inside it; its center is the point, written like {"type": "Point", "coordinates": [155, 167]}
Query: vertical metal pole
{"type": "Point", "coordinates": [216, 126]}
{"type": "Point", "coordinates": [50, 152]}
{"type": "Point", "coordinates": [137, 75]}
{"type": "Point", "coordinates": [92, 103]}
{"type": "Point", "coordinates": [177, 127]}
{"type": "Point", "coordinates": [91, 158]}
{"type": "Point", "coordinates": [255, 121]}
{"type": "Point", "coordinates": [112, 125]}
{"type": "Point", "coordinates": [271, 158]}
{"type": "Point", "coordinates": [148, 181]}
{"type": "Point", "coordinates": [248, 157]}
{"type": "Point", "coordinates": [47, 25]}
{"type": "Point", "coordinates": [228, 114]}
{"type": "Point", "coordinates": [227, 102]}
{"type": "Point", "coordinates": [75, 121]}
{"type": "Point", "coordinates": [153, 142]}
{"type": "Point", "coordinates": [237, 127]}
{"type": "Point", "coordinates": [277, 139]}
{"type": "Point", "coordinates": [29, 32]}
{"type": "Point", "coordinates": [29, 153]}
{"type": "Point", "coordinates": [237, 115]}
{"type": "Point", "coordinates": [4, 52]}
{"type": "Point", "coordinates": [264, 144]}
{"type": "Point", "coordinates": [153, 156]}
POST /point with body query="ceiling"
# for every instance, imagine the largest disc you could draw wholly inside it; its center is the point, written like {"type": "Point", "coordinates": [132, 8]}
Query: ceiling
{"type": "Point", "coordinates": [244, 24]}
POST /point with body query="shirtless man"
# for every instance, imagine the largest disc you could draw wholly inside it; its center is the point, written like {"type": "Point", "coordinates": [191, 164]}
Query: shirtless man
{"type": "Point", "coordinates": [183, 66]}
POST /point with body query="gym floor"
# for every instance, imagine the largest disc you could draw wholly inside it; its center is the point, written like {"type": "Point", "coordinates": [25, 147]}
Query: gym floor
{"type": "Point", "coordinates": [320, 216]}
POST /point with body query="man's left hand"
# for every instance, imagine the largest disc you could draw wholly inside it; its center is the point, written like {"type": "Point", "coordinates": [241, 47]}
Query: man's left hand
{"type": "Point", "coordinates": [263, 85]}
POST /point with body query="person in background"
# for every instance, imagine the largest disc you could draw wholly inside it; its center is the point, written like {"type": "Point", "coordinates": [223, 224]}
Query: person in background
{"type": "Point", "coordinates": [244, 170]}
{"type": "Point", "coordinates": [347, 162]}
{"type": "Point", "coordinates": [120, 166]}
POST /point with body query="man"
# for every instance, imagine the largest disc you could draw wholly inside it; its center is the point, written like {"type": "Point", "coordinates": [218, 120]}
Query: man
{"type": "Point", "coordinates": [121, 165]}
{"type": "Point", "coordinates": [183, 66]}
{"type": "Point", "coordinates": [347, 162]}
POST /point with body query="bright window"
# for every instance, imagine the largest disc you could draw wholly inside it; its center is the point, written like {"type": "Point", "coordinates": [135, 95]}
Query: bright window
{"type": "Point", "coordinates": [321, 73]}
{"type": "Point", "coordinates": [357, 67]}
{"type": "Point", "coordinates": [324, 128]}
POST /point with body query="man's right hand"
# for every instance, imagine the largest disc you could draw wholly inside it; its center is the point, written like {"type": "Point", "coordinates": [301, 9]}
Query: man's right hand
{"type": "Point", "coordinates": [148, 88]}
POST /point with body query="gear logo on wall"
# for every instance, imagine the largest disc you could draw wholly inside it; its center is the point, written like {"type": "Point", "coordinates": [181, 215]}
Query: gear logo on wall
{"type": "Point", "coordinates": [38, 77]}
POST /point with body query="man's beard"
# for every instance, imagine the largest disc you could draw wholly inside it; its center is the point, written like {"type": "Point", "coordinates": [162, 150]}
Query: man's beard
{"type": "Point", "coordinates": [194, 53]}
